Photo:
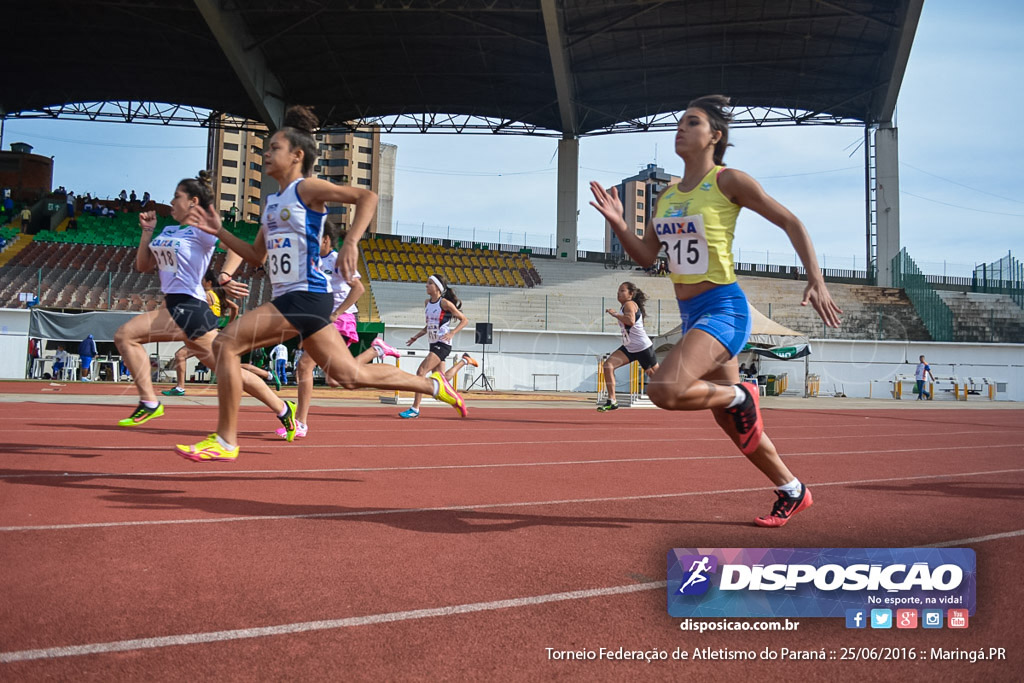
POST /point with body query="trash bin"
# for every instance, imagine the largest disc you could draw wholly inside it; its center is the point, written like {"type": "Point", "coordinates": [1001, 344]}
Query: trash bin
{"type": "Point", "coordinates": [771, 388]}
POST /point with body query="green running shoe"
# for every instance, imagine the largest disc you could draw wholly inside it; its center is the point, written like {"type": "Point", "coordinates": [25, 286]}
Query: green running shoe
{"type": "Point", "coordinates": [142, 415]}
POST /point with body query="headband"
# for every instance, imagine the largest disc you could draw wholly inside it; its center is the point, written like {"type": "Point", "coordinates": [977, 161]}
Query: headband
{"type": "Point", "coordinates": [438, 284]}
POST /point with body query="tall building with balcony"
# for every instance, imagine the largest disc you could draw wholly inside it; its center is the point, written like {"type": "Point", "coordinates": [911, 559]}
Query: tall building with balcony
{"type": "Point", "coordinates": [236, 159]}
{"type": "Point", "coordinates": [638, 195]}
{"type": "Point", "coordinates": [346, 157]}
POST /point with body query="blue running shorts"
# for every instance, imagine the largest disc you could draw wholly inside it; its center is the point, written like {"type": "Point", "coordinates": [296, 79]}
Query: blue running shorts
{"type": "Point", "coordinates": [722, 312]}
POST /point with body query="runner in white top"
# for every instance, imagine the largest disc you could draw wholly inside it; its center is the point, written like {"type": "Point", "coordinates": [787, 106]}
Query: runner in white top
{"type": "Point", "coordinates": [636, 345]}
{"type": "Point", "coordinates": [344, 318]}
{"type": "Point", "coordinates": [291, 228]}
{"type": "Point", "coordinates": [181, 254]}
{"type": "Point", "coordinates": [440, 307]}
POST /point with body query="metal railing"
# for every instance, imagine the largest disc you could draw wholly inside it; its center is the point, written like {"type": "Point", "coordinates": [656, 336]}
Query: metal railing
{"type": "Point", "coordinates": [929, 305]}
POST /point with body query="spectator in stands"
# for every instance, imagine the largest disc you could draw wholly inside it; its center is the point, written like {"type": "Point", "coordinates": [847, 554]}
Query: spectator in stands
{"type": "Point", "coordinates": [73, 223]}
{"type": "Point", "coordinates": [145, 199]}
{"type": "Point", "coordinates": [440, 307]}
{"type": "Point", "coordinates": [87, 206]}
{"type": "Point", "coordinates": [233, 213]}
{"type": "Point", "coordinates": [181, 254]}
{"type": "Point", "coordinates": [346, 293]}
{"type": "Point", "coordinates": [921, 373]}
{"type": "Point", "coordinates": [636, 345]}
{"type": "Point", "coordinates": [87, 351]}
{"type": "Point", "coordinates": [8, 205]}
{"type": "Point", "coordinates": [123, 196]}
{"type": "Point", "coordinates": [26, 218]}
{"type": "Point", "coordinates": [71, 204]}
{"type": "Point", "coordinates": [694, 221]}
{"type": "Point", "coordinates": [302, 302]}
{"type": "Point", "coordinates": [132, 198]}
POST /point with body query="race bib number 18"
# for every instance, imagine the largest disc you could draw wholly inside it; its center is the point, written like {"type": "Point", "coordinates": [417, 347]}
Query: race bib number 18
{"type": "Point", "coordinates": [684, 240]}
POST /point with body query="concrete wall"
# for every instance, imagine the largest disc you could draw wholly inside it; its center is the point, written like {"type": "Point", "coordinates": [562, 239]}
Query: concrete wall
{"type": "Point", "coordinates": [842, 365]}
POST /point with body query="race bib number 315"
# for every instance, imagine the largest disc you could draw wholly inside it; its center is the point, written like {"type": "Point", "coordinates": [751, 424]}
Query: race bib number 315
{"type": "Point", "coordinates": [684, 240]}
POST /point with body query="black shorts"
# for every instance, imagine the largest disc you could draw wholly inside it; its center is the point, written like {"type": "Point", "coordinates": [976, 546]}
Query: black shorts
{"type": "Point", "coordinates": [307, 312]}
{"type": "Point", "coordinates": [646, 358]}
{"type": "Point", "coordinates": [192, 315]}
{"type": "Point", "coordinates": [441, 350]}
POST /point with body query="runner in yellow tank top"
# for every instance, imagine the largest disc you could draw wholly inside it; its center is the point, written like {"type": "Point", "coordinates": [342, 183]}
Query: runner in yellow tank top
{"type": "Point", "coordinates": [694, 222]}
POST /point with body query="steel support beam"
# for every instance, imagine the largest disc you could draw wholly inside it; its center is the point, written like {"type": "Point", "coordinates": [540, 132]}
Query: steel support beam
{"type": "Point", "coordinates": [260, 83]}
{"type": "Point", "coordinates": [887, 201]}
{"type": "Point", "coordinates": [895, 61]}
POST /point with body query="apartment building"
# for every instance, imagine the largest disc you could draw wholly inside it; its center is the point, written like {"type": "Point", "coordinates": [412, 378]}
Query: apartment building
{"type": "Point", "coordinates": [638, 195]}
{"type": "Point", "coordinates": [345, 157]}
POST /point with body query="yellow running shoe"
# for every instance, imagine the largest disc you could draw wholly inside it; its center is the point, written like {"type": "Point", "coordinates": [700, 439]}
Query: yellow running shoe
{"type": "Point", "coordinates": [141, 415]}
{"type": "Point", "coordinates": [207, 449]}
{"type": "Point", "coordinates": [289, 421]}
{"type": "Point", "coordinates": [446, 392]}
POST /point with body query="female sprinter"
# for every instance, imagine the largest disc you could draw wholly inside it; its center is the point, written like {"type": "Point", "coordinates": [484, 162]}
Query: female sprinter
{"type": "Point", "coordinates": [344, 318]}
{"type": "Point", "coordinates": [181, 254]}
{"type": "Point", "coordinates": [440, 307]}
{"type": "Point", "coordinates": [289, 241]}
{"type": "Point", "coordinates": [217, 303]}
{"type": "Point", "coordinates": [636, 345]}
{"type": "Point", "coordinates": [694, 221]}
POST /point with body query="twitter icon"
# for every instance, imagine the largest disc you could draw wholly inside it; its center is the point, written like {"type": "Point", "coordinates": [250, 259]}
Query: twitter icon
{"type": "Point", "coordinates": [881, 618]}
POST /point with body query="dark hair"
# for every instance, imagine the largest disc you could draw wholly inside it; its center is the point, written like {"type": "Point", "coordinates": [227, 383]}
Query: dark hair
{"type": "Point", "coordinates": [210, 276]}
{"type": "Point", "coordinates": [200, 187]}
{"type": "Point", "coordinates": [639, 298]}
{"type": "Point", "coordinates": [335, 233]}
{"type": "Point", "coordinates": [448, 293]}
{"type": "Point", "coordinates": [299, 124]}
{"type": "Point", "coordinates": [719, 116]}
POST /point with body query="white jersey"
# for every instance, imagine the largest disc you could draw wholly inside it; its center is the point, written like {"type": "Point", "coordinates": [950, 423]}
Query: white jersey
{"type": "Point", "coordinates": [634, 337]}
{"type": "Point", "coordinates": [437, 322]}
{"type": "Point", "coordinates": [292, 232]}
{"type": "Point", "coordinates": [182, 255]}
{"type": "Point", "coordinates": [340, 287]}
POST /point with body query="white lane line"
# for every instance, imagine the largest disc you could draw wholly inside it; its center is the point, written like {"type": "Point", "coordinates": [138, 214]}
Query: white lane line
{"type": "Point", "coordinates": [371, 619]}
{"type": "Point", "coordinates": [478, 506]}
{"type": "Point", "coordinates": [403, 468]}
{"type": "Point", "coordinates": [385, 446]}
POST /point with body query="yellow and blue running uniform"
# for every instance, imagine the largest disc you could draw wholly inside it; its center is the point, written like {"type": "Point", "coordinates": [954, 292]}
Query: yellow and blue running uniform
{"type": "Point", "coordinates": [696, 229]}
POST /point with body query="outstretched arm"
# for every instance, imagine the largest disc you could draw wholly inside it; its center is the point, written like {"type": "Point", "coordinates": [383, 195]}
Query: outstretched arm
{"type": "Point", "coordinates": [316, 193]}
{"type": "Point", "coordinates": [748, 193]}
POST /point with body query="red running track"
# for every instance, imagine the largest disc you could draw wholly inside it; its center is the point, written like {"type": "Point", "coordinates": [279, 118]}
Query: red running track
{"type": "Point", "coordinates": [446, 549]}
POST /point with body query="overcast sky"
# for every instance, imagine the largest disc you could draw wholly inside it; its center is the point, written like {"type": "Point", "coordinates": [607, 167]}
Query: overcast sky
{"type": "Point", "coordinates": [961, 147]}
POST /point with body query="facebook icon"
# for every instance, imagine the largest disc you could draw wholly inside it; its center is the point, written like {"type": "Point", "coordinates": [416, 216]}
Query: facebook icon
{"type": "Point", "coordinates": [856, 618]}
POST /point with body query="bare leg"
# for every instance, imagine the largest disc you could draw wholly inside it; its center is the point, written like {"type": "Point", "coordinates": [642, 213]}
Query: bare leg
{"type": "Point", "coordinates": [613, 362]}
{"type": "Point", "coordinates": [680, 381]}
{"type": "Point", "coordinates": [148, 327]}
{"type": "Point", "coordinates": [454, 370]}
{"type": "Point", "coordinates": [180, 356]}
{"type": "Point", "coordinates": [304, 379]}
{"type": "Point", "coordinates": [429, 364]}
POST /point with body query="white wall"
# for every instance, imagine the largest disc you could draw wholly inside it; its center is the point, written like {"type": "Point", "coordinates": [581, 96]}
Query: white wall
{"type": "Point", "coordinates": [13, 342]}
{"type": "Point", "coordinates": [847, 366]}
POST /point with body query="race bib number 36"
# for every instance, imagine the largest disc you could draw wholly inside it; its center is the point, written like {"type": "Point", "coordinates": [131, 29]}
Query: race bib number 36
{"type": "Point", "coordinates": [282, 259]}
{"type": "Point", "coordinates": [684, 240]}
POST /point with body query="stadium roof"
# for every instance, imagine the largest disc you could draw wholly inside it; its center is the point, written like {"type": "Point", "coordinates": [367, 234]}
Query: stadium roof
{"type": "Point", "coordinates": [570, 67]}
